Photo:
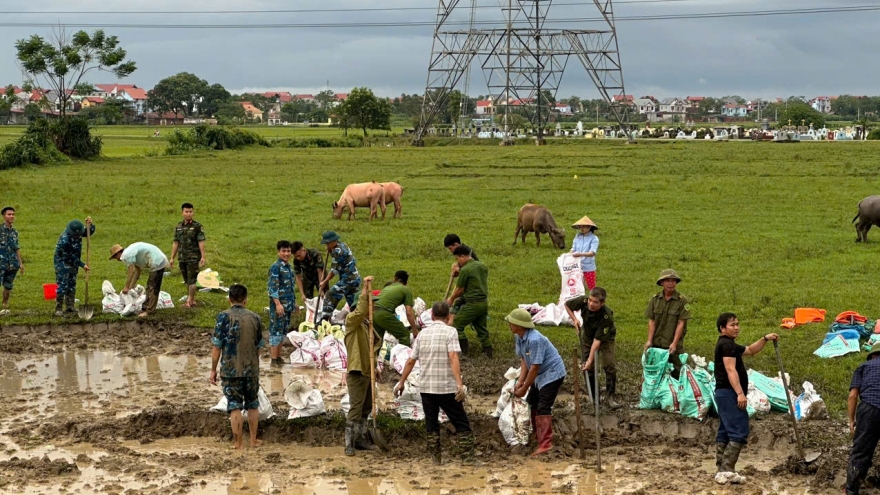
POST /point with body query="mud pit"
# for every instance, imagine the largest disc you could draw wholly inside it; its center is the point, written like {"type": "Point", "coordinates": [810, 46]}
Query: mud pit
{"type": "Point", "coordinates": [125, 410]}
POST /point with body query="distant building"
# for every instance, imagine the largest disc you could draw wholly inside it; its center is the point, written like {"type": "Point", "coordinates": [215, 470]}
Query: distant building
{"type": "Point", "coordinates": [252, 112]}
{"type": "Point", "coordinates": [485, 107]}
{"type": "Point", "coordinates": [734, 110]}
{"type": "Point", "coordinates": [822, 103]}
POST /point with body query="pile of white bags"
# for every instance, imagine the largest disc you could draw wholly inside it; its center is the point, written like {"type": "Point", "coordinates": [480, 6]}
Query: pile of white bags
{"type": "Point", "coordinates": [304, 401]}
{"type": "Point", "coordinates": [309, 352]}
{"type": "Point", "coordinates": [409, 404]}
{"type": "Point", "coordinates": [809, 405]}
{"type": "Point", "coordinates": [129, 304]}
{"type": "Point", "coordinates": [333, 354]}
{"type": "Point", "coordinates": [265, 407]}
{"type": "Point", "coordinates": [399, 356]}
{"type": "Point", "coordinates": [513, 413]}
{"type": "Point", "coordinates": [758, 403]}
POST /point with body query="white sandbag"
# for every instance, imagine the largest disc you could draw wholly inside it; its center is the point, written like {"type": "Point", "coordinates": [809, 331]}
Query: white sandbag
{"type": "Point", "coordinates": [506, 391]}
{"type": "Point", "coordinates": [265, 407]}
{"type": "Point", "coordinates": [809, 405]}
{"type": "Point", "coordinates": [164, 301]}
{"type": "Point", "coordinates": [419, 306]}
{"type": "Point", "coordinates": [304, 401]}
{"type": "Point", "coordinates": [338, 316]}
{"type": "Point", "coordinates": [112, 303]}
{"type": "Point", "coordinates": [310, 309]}
{"type": "Point", "coordinates": [758, 403]}
{"type": "Point", "coordinates": [515, 422]}
{"type": "Point", "coordinates": [572, 277]}
{"type": "Point", "coordinates": [399, 356]}
{"type": "Point", "coordinates": [307, 352]}
{"type": "Point", "coordinates": [333, 354]}
{"type": "Point", "coordinates": [555, 315]}
{"type": "Point", "coordinates": [409, 404]}
{"type": "Point", "coordinates": [424, 319]}
{"type": "Point", "coordinates": [107, 288]}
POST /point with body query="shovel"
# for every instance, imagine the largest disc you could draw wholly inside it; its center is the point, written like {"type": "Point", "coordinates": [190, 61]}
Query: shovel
{"type": "Point", "coordinates": [577, 406]}
{"type": "Point", "coordinates": [318, 308]}
{"type": "Point", "coordinates": [85, 311]}
{"type": "Point", "coordinates": [812, 456]}
{"type": "Point", "coordinates": [378, 439]}
{"type": "Point", "coordinates": [449, 286]}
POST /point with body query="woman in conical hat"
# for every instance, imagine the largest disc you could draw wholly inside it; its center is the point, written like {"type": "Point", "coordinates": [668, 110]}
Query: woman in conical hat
{"type": "Point", "coordinates": [584, 246]}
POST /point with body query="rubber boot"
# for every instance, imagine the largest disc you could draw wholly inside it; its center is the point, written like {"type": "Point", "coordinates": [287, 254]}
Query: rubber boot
{"type": "Point", "coordinates": [728, 473]}
{"type": "Point", "coordinates": [464, 344]}
{"type": "Point", "coordinates": [611, 391]}
{"type": "Point", "coordinates": [349, 438]}
{"type": "Point", "coordinates": [544, 434]}
{"type": "Point", "coordinates": [434, 447]}
{"type": "Point", "coordinates": [59, 309]}
{"type": "Point", "coordinates": [489, 352]}
{"type": "Point", "coordinates": [466, 447]}
{"type": "Point", "coordinates": [719, 455]}
{"type": "Point", "coordinates": [362, 441]}
{"type": "Point", "coordinates": [70, 302]}
{"type": "Point", "coordinates": [534, 423]}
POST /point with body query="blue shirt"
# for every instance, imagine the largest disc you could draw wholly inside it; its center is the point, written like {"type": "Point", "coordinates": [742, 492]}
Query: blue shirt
{"type": "Point", "coordinates": [535, 348]}
{"type": "Point", "coordinates": [344, 264]}
{"type": "Point", "coordinates": [584, 244]}
{"type": "Point", "coordinates": [144, 256]}
{"type": "Point", "coordinates": [867, 380]}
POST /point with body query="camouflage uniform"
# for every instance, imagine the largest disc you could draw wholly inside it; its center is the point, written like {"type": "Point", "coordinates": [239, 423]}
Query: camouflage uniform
{"type": "Point", "coordinates": [238, 333]}
{"type": "Point", "coordinates": [345, 267]}
{"type": "Point", "coordinates": [8, 255]}
{"type": "Point", "coordinates": [67, 262]}
{"type": "Point", "coordinates": [281, 287]}
{"type": "Point", "coordinates": [188, 236]}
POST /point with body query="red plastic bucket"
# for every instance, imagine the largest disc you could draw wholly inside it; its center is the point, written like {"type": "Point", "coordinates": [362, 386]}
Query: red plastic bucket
{"type": "Point", "coordinates": [50, 291]}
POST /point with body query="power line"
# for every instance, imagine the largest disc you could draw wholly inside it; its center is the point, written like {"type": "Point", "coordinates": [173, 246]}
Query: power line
{"type": "Point", "coordinates": [707, 15]}
{"type": "Point", "coordinates": [294, 11]}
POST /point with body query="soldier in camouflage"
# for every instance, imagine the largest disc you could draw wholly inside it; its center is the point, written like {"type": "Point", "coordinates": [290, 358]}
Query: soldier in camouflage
{"type": "Point", "coordinates": [282, 300]}
{"type": "Point", "coordinates": [189, 249]}
{"type": "Point", "coordinates": [10, 256]}
{"type": "Point", "coordinates": [345, 266]}
{"type": "Point", "coordinates": [67, 262]}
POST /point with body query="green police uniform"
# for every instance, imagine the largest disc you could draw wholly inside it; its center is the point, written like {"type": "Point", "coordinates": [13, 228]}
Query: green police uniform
{"type": "Point", "coordinates": [384, 317]}
{"type": "Point", "coordinates": [598, 325]}
{"type": "Point", "coordinates": [666, 315]}
{"type": "Point", "coordinates": [474, 279]}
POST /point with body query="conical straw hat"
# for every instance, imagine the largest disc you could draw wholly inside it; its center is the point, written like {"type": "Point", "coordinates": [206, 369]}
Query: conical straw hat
{"type": "Point", "coordinates": [585, 222]}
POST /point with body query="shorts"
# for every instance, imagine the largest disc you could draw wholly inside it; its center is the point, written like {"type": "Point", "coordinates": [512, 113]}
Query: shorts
{"type": "Point", "coordinates": [190, 271]}
{"type": "Point", "coordinates": [241, 393]}
{"type": "Point", "coordinates": [7, 277]}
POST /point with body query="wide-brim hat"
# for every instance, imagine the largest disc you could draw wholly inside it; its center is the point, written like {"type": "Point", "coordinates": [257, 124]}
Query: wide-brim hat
{"type": "Point", "coordinates": [584, 222]}
{"type": "Point", "coordinates": [329, 236]}
{"type": "Point", "coordinates": [874, 350]}
{"type": "Point", "coordinates": [115, 249]}
{"type": "Point", "coordinates": [520, 317]}
{"type": "Point", "coordinates": [667, 274]}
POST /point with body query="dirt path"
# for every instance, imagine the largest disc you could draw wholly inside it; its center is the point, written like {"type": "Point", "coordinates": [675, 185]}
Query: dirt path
{"type": "Point", "coordinates": [127, 412]}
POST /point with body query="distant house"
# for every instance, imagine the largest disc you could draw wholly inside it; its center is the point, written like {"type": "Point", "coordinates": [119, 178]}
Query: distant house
{"type": "Point", "coordinates": [485, 107]}
{"type": "Point", "coordinates": [305, 97]}
{"type": "Point", "coordinates": [167, 118]}
{"type": "Point", "coordinates": [252, 111]}
{"type": "Point", "coordinates": [92, 101]}
{"type": "Point", "coordinates": [694, 101]}
{"type": "Point", "coordinates": [279, 96]}
{"type": "Point", "coordinates": [623, 99]}
{"type": "Point", "coordinates": [22, 98]}
{"type": "Point", "coordinates": [130, 93]}
{"type": "Point", "coordinates": [822, 103]}
{"type": "Point", "coordinates": [672, 106]}
{"type": "Point", "coordinates": [645, 105]}
{"type": "Point", "coordinates": [564, 109]}
{"type": "Point", "coordinates": [734, 110]}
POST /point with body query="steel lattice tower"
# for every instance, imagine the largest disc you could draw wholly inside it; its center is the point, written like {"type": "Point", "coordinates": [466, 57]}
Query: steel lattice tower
{"type": "Point", "coordinates": [521, 58]}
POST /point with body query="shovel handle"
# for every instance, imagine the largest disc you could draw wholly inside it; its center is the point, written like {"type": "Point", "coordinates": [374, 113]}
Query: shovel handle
{"type": "Point", "coordinates": [797, 436]}
{"type": "Point", "coordinates": [449, 286]}
{"type": "Point", "coordinates": [372, 353]}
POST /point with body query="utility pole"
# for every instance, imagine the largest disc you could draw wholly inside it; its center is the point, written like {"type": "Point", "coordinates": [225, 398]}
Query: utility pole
{"type": "Point", "coordinates": [539, 140]}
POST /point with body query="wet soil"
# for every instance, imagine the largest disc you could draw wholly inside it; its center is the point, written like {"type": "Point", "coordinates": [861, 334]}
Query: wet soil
{"type": "Point", "coordinates": [107, 409]}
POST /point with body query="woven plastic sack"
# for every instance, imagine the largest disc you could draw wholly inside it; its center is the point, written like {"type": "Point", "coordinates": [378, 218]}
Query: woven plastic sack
{"type": "Point", "coordinates": [837, 346]}
{"type": "Point", "coordinates": [399, 356]}
{"type": "Point", "coordinates": [304, 401]}
{"type": "Point", "coordinates": [515, 422]}
{"type": "Point", "coordinates": [307, 350]}
{"type": "Point", "coordinates": [333, 354]}
{"type": "Point", "coordinates": [656, 380]}
{"type": "Point", "coordinates": [757, 401]}
{"type": "Point", "coordinates": [696, 391]}
{"type": "Point", "coordinates": [772, 388]}
{"type": "Point", "coordinates": [809, 405]}
{"type": "Point", "coordinates": [265, 407]}
{"type": "Point", "coordinates": [506, 391]}
{"type": "Point", "coordinates": [873, 339]}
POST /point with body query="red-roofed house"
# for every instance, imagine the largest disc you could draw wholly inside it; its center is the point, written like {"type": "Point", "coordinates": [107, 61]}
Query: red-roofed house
{"type": "Point", "coordinates": [92, 101]}
{"type": "Point", "coordinates": [485, 107]}
{"type": "Point", "coordinates": [252, 111]}
{"type": "Point", "coordinates": [305, 97]}
{"type": "Point", "coordinates": [625, 99]}
{"type": "Point", "coordinates": [694, 101]}
{"type": "Point", "coordinates": [21, 97]}
{"type": "Point", "coordinates": [564, 108]}
{"type": "Point", "coordinates": [279, 96]}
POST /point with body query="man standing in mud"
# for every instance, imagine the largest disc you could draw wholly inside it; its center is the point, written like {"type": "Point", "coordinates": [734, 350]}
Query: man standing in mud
{"type": "Point", "coordinates": [189, 244]}
{"type": "Point", "coordinates": [345, 267]}
{"type": "Point", "coordinates": [473, 288]}
{"type": "Point", "coordinates": [10, 256]}
{"type": "Point", "coordinates": [360, 391]}
{"type": "Point", "coordinates": [282, 300]}
{"type": "Point", "coordinates": [238, 333]}
{"type": "Point", "coordinates": [863, 407]}
{"type": "Point", "coordinates": [597, 334]}
{"type": "Point", "coordinates": [667, 315]}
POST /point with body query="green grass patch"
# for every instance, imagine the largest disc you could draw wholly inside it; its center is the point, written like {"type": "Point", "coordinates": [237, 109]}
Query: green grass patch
{"type": "Point", "coordinates": [753, 228]}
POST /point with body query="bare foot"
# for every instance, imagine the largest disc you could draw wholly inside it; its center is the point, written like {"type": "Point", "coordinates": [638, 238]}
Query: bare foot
{"type": "Point", "coordinates": [256, 443]}
{"type": "Point", "coordinates": [237, 445]}
{"type": "Point", "coordinates": [143, 314]}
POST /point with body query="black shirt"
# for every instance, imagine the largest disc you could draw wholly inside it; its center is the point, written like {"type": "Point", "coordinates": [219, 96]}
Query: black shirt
{"type": "Point", "coordinates": [597, 325]}
{"type": "Point", "coordinates": [727, 347]}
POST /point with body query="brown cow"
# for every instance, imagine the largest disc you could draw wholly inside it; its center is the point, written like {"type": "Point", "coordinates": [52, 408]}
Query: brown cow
{"type": "Point", "coordinates": [538, 219]}
{"type": "Point", "coordinates": [366, 194]}
{"type": "Point", "coordinates": [393, 192]}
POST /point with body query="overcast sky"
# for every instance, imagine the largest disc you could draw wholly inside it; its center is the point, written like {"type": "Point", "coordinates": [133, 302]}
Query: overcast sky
{"type": "Point", "coordinates": [767, 56]}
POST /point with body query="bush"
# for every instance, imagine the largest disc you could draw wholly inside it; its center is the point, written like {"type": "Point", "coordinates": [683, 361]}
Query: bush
{"type": "Point", "coordinates": [204, 137]}
{"type": "Point", "coordinates": [320, 142]}
{"type": "Point", "coordinates": [73, 137]}
{"type": "Point", "coordinates": [874, 135]}
{"type": "Point", "coordinates": [34, 147]}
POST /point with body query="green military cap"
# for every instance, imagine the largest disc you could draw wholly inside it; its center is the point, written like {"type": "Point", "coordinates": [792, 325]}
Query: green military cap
{"type": "Point", "coordinates": [520, 317]}
{"type": "Point", "coordinates": [874, 350]}
{"type": "Point", "coordinates": [75, 227]}
{"type": "Point", "coordinates": [329, 236]}
{"type": "Point", "coordinates": [667, 274]}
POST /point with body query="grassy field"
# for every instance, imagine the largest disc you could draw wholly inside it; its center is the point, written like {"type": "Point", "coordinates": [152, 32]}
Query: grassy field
{"type": "Point", "coordinates": [754, 228]}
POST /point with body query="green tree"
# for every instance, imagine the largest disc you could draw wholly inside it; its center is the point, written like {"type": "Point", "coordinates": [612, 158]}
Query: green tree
{"type": "Point", "coordinates": [575, 103]}
{"type": "Point", "coordinates": [180, 93]}
{"type": "Point", "coordinates": [32, 111]}
{"type": "Point", "coordinates": [61, 62]}
{"type": "Point", "coordinates": [325, 99]}
{"type": "Point", "coordinates": [7, 99]}
{"type": "Point", "coordinates": [230, 113]}
{"type": "Point", "coordinates": [800, 113]}
{"type": "Point", "coordinates": [318, 115]}
{"type": "Point", "coordinates": [708, 106]}
{"type": "Point", "coordinates": [212, 99]}
{"type": "Point", "coordinates": [365, 111]}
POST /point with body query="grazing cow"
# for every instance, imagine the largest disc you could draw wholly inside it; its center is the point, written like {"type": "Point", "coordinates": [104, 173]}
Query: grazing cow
{"type": "Point", "coordinates": [868, 216]}
{"type": "Point", "coordinates": [393, 192]}
{"type": "Point", "coordinates": [366, 194]}
{"type": "Point", "coordinates": [538, 219]}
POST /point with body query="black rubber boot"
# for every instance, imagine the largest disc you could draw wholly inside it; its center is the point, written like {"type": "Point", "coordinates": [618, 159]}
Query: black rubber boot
{"type": "Point", "coordinates": [728, 463]}
{"type": "Point", "coordinates": [349, 438]}
{"type": "Point", "coordinates": [467, 447]}
{"type": "Point", "coordinates": [70, 302]}
{"type": "Point", "coordinates": [434, 447]}
{"type": "Point", "coordinates": [719, 455]}
{"type": "Point", "coordinates": [362, 441]}
{"type": "Point", "coordinates": [465, 345]}
{"type": "Point", "coordinates": [59, 308]}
